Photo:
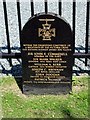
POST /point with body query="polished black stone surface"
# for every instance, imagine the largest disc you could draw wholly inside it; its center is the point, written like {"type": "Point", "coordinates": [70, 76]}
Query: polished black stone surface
{"type": "Point", "coordinates": [47, 30]}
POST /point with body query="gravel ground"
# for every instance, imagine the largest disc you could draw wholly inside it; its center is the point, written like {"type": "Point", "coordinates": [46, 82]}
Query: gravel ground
{"type": "Point", "coordinates": [25, 15]}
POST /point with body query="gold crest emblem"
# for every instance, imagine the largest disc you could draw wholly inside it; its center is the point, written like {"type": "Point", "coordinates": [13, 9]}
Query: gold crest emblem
{"type": "Point", "coordinates": [46, 32]}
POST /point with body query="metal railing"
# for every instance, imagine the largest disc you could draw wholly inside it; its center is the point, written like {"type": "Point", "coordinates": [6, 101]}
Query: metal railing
{"type": "Point", "coordinates": [11, 55]}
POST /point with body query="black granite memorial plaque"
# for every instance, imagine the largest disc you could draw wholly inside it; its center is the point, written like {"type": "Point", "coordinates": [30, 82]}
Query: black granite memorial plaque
{"type": "Point", "coordinates": [47, 50]}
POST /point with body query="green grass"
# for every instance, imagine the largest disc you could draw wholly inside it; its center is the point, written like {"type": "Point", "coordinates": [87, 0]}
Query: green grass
{"type": "Point", "coordinates": [17, 105]}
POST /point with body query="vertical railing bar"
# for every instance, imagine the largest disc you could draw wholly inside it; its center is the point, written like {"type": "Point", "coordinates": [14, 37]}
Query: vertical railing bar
{"type": "Point", "coordinates": [60, 6]}
{"type": "Point", "coordinates": [74, 16]}
{"type": "Point", "coordinates": [7, 30]}
{"type": "Point", "coordinates": [87, 31]}
{"type": "Point", "coordinates": [19, 19]}
{"type": "Point", "coordinates": [46, 6]}
{"type": "Point", "coordinates": [32, 8]}
{"type": "Point", "coordinates": [19, 24]}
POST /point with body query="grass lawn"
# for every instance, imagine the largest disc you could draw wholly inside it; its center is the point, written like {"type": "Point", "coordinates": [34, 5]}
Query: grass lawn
{"type": "Point", "coordinates": [17, 105]}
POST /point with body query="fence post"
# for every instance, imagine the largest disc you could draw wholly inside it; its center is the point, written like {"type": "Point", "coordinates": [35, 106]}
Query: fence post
{"type": "Point", "coordinates": [19, 19]}
{"type": "Point", "coordinates": [32, 8]}
{"type": "Point", "coordinates": [73, 22]}
{"type": "Point", "coordinates": [7, 30]}
{"type": "Point", "coordinates": [87, 31]}
{"type": "Point", "coordinates": [60, 6]}
{"type": "Point", "coordinates": [46, 6]}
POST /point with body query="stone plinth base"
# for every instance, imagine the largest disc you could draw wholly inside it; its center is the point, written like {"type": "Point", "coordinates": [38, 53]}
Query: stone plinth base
{"type": "Point", "coordinates": [51, 88]}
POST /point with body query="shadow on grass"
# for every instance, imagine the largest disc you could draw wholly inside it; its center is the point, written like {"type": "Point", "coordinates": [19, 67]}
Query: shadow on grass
{"type": "Point", "coordinates": [67, 113]}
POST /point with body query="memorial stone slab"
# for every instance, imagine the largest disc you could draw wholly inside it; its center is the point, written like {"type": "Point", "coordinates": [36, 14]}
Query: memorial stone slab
{"type": "Point", "coordinates": [47, 50]}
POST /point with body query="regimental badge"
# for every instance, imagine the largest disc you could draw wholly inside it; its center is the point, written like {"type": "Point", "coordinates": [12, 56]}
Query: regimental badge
{"type": "Point", "coordinates": [46, 32]}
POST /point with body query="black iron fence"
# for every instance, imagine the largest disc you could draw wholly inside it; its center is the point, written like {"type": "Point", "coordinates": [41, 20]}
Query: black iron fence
{"type": "Point", "coordinates": [11, 55]}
